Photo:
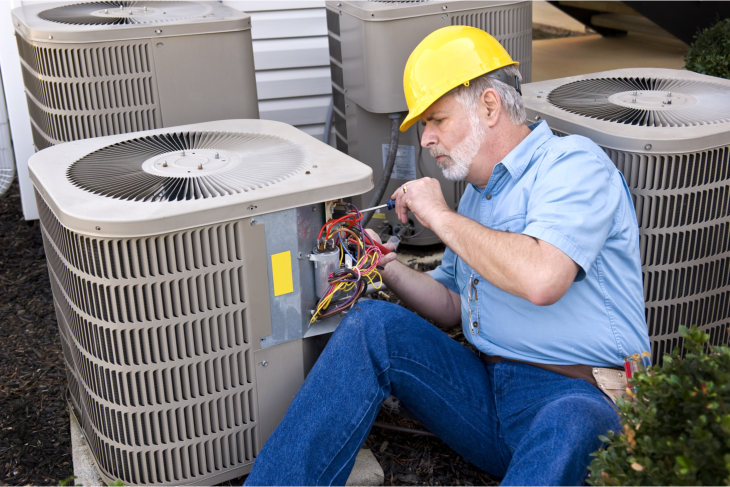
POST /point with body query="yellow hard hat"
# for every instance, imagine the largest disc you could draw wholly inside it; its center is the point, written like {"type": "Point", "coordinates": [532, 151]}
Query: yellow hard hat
{"type": "Point", "coordinates": [445, 59]}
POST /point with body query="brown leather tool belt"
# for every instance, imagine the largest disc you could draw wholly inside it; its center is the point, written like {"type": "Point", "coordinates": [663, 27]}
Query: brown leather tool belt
{"type": "Point", "coordinates": [610, 381]}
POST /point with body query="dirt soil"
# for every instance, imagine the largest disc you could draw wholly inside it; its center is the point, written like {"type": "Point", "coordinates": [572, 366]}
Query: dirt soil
{"type": "Point", "coordinates": [35, 442]}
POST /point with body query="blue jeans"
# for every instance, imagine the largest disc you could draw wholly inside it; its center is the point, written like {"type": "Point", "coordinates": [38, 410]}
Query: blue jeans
{"type": "Point", "coordinates": [528, 425]}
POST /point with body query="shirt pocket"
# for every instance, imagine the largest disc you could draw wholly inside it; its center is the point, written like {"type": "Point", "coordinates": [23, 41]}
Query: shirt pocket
{"type": "Point", "coordinates": [513, 224]}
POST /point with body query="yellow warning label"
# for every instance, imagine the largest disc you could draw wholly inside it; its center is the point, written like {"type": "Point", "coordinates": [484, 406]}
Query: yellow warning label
{"type": "Point", "coordinates": [281, 271]}
{"type": "Point", "coordinates": [380, 216]}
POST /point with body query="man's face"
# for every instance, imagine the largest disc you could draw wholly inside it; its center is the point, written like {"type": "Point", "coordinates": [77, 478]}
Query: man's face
{"type": "Point", "coordinates": [453, 135]}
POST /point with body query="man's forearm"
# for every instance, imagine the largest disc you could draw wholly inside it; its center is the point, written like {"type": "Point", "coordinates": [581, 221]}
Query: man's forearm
{"type": "Point", "coordinates": [423, 294]}
{"type": "Point", "coordinates": [516, 263]}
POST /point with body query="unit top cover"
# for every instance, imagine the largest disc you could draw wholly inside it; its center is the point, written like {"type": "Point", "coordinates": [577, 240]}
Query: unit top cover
{"type": "Point", "coordinates": [109, 21]}
{"type": "Point", "coordinates": [637, 109]}
{"type": "Point", "coordinates": [378, 10]}
{"type": "Point", "coordinates": [165, 180]}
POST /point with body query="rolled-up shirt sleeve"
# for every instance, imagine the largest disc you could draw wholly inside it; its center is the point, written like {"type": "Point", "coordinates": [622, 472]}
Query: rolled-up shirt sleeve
{"type": "Point", "coordinates": [572, 205]}
{"type": "Point", "coordinates": [445, 273]}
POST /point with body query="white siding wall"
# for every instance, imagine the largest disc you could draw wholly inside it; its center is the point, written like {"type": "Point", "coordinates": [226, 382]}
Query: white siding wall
{"type": "Point", "coordinates": [291, 56]}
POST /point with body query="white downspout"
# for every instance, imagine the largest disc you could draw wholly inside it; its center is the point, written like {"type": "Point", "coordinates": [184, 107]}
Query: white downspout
{"type": "Point", "coordinates": [7, 158]}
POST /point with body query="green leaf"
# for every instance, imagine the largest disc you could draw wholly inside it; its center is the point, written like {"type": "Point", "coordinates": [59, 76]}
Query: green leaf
{"type": "Point", "coordinates": [67, 481]}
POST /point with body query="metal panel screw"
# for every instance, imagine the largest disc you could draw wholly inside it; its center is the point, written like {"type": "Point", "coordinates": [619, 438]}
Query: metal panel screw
{"type": "Point", "coordinates": [314, 166]}
{"type": "Point", "coordinates": [647, 146]}
{"type": "Point", "coordinates": [633, 100]}
{"type": "Point", "coordinates": [106, 10]}
{"type": "Point", "coordinates": [443, 8]}
{"type": "Point", "coordinates": [253, 222]}
{"type": "Point", "coordinates": [200, 166]}
{"type": "Point", "coordinates": [537, 117]}
{"type": "Point", "coordinates": [159, 31]}
{"type": "Point", "coordinates": [164, 164]}
{"type": "Point", "coordinates": [345, 90]}
{"type": "Point", "coordinates": [183, 153]}
{"type": "Point", "coordinates": [252, 207]}
{"type": "Point", "coordinates": [216, 155]}
{"type": "Point", "coordinates": [264, 363]}
{"type": "Point", "coordinates": [339, 5]}
{"type": "Point", "coordinates": [50, 37]}
{"type": "Point", "coordinates": [98, 228]}
{"type": "Point", "coordinates": [445, 16]}
{"type": "Point", "coordinates": [347, 106]}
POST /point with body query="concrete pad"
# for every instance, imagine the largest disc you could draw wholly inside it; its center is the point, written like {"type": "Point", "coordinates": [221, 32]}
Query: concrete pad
{"type": "Point", "coordinates": [547, 14]}
{"type": "Point", "coordinates": [571, 56]}
{"type": "Point", "coordinates": [84, 465]}
{"type": "Point", "coordinates": [367, 470]}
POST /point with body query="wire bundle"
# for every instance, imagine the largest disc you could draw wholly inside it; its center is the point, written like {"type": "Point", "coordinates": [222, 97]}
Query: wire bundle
{"type": "Point", "coordinates": [348, 283]}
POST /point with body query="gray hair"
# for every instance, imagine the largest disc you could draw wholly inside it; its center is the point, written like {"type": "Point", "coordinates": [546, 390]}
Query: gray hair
{"type": "Point", "coordinates": [469, 96]}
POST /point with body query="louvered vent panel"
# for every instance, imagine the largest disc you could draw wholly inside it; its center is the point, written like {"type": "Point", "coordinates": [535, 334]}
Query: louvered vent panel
{"type": "Point", "coordinates": [79, 93]}
{"type": "Point", "coordinates": [511, 26]}
{"type": "Point", "coordinates": [682, 207]}
{"type": "Point", "coordinates": [155, 332]}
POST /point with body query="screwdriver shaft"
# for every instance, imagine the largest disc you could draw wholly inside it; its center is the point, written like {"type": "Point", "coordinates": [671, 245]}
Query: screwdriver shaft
{"type": "Point", "coordinates": [374, 208]}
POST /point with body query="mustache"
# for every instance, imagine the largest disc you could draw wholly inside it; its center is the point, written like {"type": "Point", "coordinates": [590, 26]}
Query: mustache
{"type": "Point", "coordinates": [439, 152]}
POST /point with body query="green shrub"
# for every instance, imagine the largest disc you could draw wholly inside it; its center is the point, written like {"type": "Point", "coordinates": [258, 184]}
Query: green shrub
{"type": "Point", "coordinates": [676, 426]}
{"type": "Point", "coordinates": [710, 52]}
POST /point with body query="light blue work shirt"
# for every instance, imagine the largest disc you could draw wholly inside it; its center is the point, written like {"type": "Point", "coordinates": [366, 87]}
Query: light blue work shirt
{"type": "Point", "coordinates": [567, 192]}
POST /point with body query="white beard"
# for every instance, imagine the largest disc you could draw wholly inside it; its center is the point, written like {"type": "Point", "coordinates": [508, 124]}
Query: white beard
{"type": "Point", "coordinates": [457, 163]}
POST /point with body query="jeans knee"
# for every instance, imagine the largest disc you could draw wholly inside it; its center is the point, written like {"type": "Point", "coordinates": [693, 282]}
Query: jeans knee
{"type": "Point", "coordinates": [585, 416]}
{"type": "Point", "coordinates": [369, 316]}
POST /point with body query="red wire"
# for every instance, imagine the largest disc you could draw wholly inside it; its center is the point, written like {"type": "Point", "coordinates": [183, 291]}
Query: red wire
{"type": "Point", "coordinates": [348, 219]}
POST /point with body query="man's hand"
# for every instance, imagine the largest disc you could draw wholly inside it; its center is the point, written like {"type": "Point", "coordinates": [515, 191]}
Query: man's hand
{"type": "Point", "coordinates": [423, 197]}
{"type": "Point", "coordinates": [390, 246]}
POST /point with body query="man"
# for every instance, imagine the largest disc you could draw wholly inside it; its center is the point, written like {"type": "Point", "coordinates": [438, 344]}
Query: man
{"type": "Point", "coordinates": [541, 269]}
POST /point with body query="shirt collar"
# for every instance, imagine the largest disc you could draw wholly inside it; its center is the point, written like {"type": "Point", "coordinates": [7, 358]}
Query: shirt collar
{"type": "Point", "coordinates": [519, 158]}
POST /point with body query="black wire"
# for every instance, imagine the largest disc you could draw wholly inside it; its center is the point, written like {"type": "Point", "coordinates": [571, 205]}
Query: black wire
{"type": "Point", "coordinates": [388, 169]}
{"type": "Point", "coordinates": [420, 151]}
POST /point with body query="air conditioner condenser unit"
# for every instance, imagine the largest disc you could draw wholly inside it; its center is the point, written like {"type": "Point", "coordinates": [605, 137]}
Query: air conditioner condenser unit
{"type": "Point", "coordinates": [181, 266]}
{"type": "Point", "coordinates": [102, 68]}
{"type": "Point", "coordinates": [668, 131]}
{"type": "Point", "coordinates": [369, 43]}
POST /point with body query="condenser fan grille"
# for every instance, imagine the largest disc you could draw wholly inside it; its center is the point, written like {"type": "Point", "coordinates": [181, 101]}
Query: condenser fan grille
{"type": "Point", "coordinates": [646, 102]}
{"type": "Point", "coordinates": [188, 166]}
{"type": "Point", "coordinates": [125, 12]}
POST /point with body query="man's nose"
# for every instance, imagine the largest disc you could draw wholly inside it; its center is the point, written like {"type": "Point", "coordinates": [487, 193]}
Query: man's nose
{"type": "Point", "coordinates": [428, 138]}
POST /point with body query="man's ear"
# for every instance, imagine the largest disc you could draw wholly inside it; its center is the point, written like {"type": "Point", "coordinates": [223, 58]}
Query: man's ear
{"type": "Point", "coordinates": [491, 105]}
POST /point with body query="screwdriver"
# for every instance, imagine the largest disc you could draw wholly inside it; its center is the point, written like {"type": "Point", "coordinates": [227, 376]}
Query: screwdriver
{"type": "Point", "coordinates": [390, 204]}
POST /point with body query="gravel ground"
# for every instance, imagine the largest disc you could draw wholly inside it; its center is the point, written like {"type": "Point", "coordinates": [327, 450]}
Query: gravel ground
{"type": "Point", "coordinates": [35, 443]}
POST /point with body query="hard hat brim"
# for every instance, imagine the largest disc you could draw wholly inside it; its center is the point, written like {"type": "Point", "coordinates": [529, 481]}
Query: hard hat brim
{"type": "Point", "coordinates": [417, 111]}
